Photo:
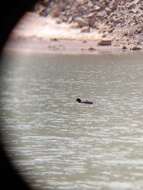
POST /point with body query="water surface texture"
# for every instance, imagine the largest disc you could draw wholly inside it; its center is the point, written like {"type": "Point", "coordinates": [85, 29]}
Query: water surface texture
{"type": "Point", "coordinates": [63, 145]}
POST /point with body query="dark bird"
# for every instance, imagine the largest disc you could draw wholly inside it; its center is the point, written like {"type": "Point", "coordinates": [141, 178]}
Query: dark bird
{"type": "Point", "coordinates": [83, 102]}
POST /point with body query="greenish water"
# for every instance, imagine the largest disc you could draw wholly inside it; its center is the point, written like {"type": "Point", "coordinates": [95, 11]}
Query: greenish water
{"type": "Point", "coordinates": [60, 144]}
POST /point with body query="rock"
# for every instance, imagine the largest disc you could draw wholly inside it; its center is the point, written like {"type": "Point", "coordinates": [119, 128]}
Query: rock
{"type": "Point", "coordinates": [81, 22]}
{"type": "Point", "coordinates": [104, 35]}
{"type": "Point", "coordinates": [85, 29]}
{"type": "Point", "coordinates": [139, 30]}
{"type": "Point", "coordinates": [135, 48]}
{"type": "Point", "coordinates": [55, 12]}
{"type": "Point", "coordinates": [102, 14]}
{"type": "Point", "coordinates": [91, 49]}
{"type": "Point", "coordinates": [43, 13]}
{"type": "Point", "coordinates": [97, 8]}
{"type": "Point", "coordinates": [74, 25]}
{"type": "Point", "coordinates": [110, 30]}
{"type": "Point", "coordinates": [124, 47]}
{"type": "Point", "coordinates": [70, 19]}
{"type": "Point", "coordinates": [45, 2]}
{"type": "Point", "coordinates": [105, 42]}
{"type": "Point", "coordinates": [92, 21]}
{"type": "Point", "coordinates": [54, 39]}
{"type": "Point", "coordinates": [39, 8]}
{"type": "Point", "coordinates": [58, 21]}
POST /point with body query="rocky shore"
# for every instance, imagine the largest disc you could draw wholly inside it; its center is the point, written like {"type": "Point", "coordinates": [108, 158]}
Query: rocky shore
{"type": "Point", "coordinates": [119, 22]}
{"type": "Point", "coordinates": [80, 27]}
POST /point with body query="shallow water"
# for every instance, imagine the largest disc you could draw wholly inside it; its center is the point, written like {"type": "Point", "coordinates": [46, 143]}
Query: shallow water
{"type": "Point", "coordinates": [60, 144]}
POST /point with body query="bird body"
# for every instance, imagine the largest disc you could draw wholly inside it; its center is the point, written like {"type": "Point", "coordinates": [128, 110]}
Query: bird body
{"type": "Point", "coordinates": [83, 102]}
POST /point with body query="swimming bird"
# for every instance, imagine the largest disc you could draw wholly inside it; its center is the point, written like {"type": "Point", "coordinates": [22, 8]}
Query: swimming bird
{"type": "Point", "coordinates": [83, 102]}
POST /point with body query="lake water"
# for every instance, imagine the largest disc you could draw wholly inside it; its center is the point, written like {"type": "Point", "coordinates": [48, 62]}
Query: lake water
{"type": "Point", "coordinates": [59, 144]}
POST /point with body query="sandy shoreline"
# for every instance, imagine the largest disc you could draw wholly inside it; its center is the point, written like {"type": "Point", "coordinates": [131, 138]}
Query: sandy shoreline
{"type": "Point", "coordinates": [35, 34]}
{"type": "Point", "coordinates": [59, 46]}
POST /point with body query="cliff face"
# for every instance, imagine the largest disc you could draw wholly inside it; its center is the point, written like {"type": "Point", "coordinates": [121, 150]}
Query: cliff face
{"type": "Point", "coordinates": [121, 19]}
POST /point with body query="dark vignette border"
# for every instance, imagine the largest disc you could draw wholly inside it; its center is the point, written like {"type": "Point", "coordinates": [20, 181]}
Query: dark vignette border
{"type": "Point", "coordinates": [10, 13]}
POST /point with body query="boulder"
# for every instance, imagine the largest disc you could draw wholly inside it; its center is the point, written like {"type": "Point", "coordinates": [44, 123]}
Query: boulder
{"type": "Point", "coordinates": [105, 42]}
{"type": "Point", "coordinates": [135, 48]}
